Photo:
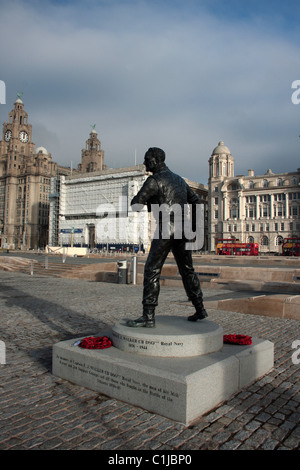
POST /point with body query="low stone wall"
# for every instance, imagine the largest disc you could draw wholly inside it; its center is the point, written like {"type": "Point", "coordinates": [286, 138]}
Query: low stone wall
{"type": "Point", "coordinates": [67, 251]}
{"type": "Point", "coordinates": [284, 274]}
{"type": "Point", "coordinates": [279, 305]}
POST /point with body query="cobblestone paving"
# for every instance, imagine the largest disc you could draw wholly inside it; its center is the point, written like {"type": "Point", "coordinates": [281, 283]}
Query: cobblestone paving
{"type": "Point", "coordinates": [40, 411]}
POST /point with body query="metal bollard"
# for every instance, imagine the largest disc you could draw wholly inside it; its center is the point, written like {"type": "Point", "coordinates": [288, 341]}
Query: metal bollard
{"type": "Point", "coordinates": [133, 270]}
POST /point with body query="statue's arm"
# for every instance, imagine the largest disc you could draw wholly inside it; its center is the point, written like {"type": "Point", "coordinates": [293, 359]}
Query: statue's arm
{"type": "Point", "coordinates": [147, 192]}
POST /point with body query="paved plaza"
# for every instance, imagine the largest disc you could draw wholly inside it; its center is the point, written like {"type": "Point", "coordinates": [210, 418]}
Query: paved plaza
{"type": "Point", "coordinates": [41, 411]}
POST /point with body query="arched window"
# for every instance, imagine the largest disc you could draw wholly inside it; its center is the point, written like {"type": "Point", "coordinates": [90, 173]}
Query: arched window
{"type": "Point", "coordinates": [265, 183]}
{"type": "Point", "coordinates": [234, 209]}
{"type": "Point", "coordinates": [265, 241]}
{"type": "Point", "coordinates": [279, 182]}
{"type": "Point", "coordinates": [279, 240]}
{"type": "Point", "coordinates": [250, 240]}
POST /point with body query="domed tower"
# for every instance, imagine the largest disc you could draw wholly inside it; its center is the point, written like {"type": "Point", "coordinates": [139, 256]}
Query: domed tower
{"type": "Point", "coordinates": [221, 162]}
{"type": "Point", "coordinates": [92, 157]}
{"type": "Point", "coordinates": [221, 167]}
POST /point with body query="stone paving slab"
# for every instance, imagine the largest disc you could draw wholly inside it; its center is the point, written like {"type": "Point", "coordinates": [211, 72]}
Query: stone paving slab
{"type": "Point", "coordinates": [40, 411]}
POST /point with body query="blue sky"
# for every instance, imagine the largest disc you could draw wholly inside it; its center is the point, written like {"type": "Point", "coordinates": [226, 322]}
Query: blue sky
{"type": "Point", "coordinates": [178, 74]}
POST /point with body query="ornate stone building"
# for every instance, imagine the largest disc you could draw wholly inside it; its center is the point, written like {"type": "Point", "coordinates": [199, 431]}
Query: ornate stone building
{"type": "Point", "coordinates": [92, 157]}
{"type": "Point", "coordinates": [25, 175]}
{"type": "Point", "coordinates": [255, 208]}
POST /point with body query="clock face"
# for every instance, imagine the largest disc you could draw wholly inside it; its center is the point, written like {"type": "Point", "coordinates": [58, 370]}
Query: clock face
{"type": "Point", "coordinates": [8, 135]}
{"type": "Point", "coordinates": [23, 136]}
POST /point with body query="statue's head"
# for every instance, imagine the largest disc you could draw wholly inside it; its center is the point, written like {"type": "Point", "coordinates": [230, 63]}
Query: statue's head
{"type": "Point", "coordinates": [154, 159]}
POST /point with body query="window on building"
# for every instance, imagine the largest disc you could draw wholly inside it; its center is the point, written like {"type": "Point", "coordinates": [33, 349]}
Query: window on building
{"type": "Point", "coordinates": [233, 212]}
{"type": "Point", "coordinates": [280, 210]}
{"type": "Point", "coordinates": [265, 198]}
{"type": "Point", "coordinates": [265, 241]}
{"type": "Point", "coordinates": [294, 211]}
{"type": "Point", "coordinates": [251, 211]}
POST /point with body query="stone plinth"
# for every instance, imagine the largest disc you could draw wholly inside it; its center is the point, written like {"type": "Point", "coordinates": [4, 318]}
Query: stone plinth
{"type": "Point", "coordinates": [181, 387]}
{"type": "Point", "coordinates": [172, 337]}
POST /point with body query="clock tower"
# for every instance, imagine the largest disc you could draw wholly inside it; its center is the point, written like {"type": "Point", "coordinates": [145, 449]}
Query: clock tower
{"type": "Point", "coordinates": [17, 134]}
{"type": "Point", "coordinates": [25, 176]}
{"type": "Point", "coordinates": [92, 157]}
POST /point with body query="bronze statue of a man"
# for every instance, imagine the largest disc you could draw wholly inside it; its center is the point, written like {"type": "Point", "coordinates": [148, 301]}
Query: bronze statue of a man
{"type": "Point", "coordinates": [165, 188]}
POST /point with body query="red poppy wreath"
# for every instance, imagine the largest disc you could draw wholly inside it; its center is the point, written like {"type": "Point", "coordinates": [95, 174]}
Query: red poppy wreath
{"type": "Point", "coordinates": [237, 339]}
{"type": "Point", "coordinates": [100, 342]}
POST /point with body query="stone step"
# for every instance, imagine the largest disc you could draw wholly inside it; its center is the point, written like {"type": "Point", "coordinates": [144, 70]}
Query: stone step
{"type": "Point", "coordinates": [278, 305]}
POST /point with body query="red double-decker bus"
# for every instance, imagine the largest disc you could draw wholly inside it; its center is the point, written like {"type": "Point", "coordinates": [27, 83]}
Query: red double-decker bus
{"type": "Point", "coordinates": [291, 246]}
{"type": "Point", "coordinates": [234, 247]}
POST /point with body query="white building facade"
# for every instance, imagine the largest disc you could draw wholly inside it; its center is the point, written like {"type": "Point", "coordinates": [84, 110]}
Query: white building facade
{"type": "Point", "coordinates": [93, 210]}
{"type": "Point", "coordinates": [262, 209]}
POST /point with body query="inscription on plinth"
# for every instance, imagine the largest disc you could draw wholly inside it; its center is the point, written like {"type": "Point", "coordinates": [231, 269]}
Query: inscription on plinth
{"type": "Point", "coordinates": [172, 337]}
{"type": "Point", "coordinates": [114, 380]}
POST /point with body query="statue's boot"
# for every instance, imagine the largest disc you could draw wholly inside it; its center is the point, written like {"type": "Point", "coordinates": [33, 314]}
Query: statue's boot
{"type": "Point", "coordinates": [147, 320]}
{"type": "Point", "coordinates": [199, 314]}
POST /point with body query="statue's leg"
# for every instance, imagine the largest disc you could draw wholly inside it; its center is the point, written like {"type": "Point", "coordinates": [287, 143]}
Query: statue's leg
{"type": "Point", "coordinates": [158, 252]}
{"type": "Point", "coordinates": [190, 279]}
